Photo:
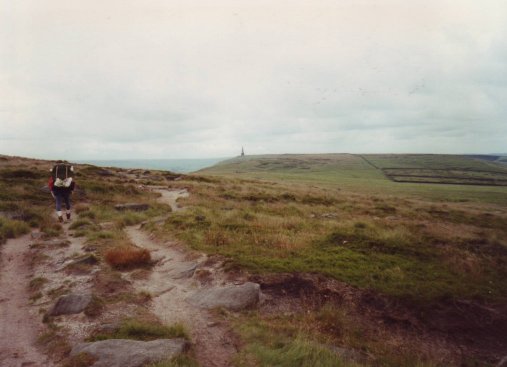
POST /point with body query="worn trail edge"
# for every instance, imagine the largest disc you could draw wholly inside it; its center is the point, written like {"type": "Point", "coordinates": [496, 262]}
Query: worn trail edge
{"type": "Point", "coordinates": [171, 284]}
{"type": "Point", "coordinates": [19, 326]}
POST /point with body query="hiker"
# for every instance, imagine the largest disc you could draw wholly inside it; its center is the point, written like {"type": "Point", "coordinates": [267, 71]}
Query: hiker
{"type": "Point", "coordinates": [61, 185]}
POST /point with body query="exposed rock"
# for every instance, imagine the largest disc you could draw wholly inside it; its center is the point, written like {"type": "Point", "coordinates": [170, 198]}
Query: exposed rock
{"type": "Point", "coordinates": [106, 226]}
{"type": "Point", "coordinates": [88, 259]}
{"type": "Point", "coordinates": [130, 353]}
{"type": "Point", "coordinates": [503, 362]}
{"type": "Point", "coordinates": [104, 172]}
{"type": "Point", "coordinates": [231, 297]}
{"type": "Point", "coordinates": [171, 176]}
{"type": "Point", "coordinates": [36, 235]}
{"type": "Point", "coordinates": [184, 270]}
{"type": "Point", "coordinates": [138, 207]}
{"type": "Point", "coordinates": [89, 248]}
{"type": "Point", "coordinates": [70, 304]}
{"type": "Point", "coordinates": [52, 243]}
{"type": "Point", "coordinates": [155, 178]}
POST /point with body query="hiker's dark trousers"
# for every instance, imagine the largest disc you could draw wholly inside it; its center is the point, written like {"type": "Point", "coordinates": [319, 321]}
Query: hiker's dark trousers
{"type": "Point", "coordinates": [62, 196]}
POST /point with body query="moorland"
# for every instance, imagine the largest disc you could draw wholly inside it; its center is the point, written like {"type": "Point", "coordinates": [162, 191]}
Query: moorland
{"type": "Point", "coordinates": [363, 260]}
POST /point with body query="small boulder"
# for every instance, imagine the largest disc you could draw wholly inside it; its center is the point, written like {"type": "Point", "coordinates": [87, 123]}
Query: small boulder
{"type": "Point", "coordinates": [104, 172]}
{"type": "Point", "coordinates": [88, 259]}
{"type": "Point", "coordinates": [185, 270]}
{"type": "Point", "coordinates": [233, 298]}
{"type": "Point", "coordinates": [130, 353]}
{"type": "Point", "coordinates": [36, 235]}
{"type": "Point", "coordinates": [138, 207]}
{"type": "Point", "coordinates": [70, 304]}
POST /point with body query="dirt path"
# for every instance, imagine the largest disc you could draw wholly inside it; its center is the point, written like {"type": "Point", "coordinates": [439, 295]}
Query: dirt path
{"type": "Point", "coordinates": [19, 326]}
{"type": "Point", "coordinates": [171, 283]}
{"type": "Point", "coordinates": [171, 197]}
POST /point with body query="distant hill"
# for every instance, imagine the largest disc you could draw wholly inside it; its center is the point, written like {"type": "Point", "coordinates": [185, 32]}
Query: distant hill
{"type": "Point", "coordinates": [459, 176]}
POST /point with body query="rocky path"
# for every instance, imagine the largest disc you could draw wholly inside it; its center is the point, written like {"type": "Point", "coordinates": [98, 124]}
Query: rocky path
{"type": "Point", "coordinates": [185, 287]}
{"type": "Point", "coordinates": [19, 327]}
{"type": "Point", "coordinates": [172, 283]}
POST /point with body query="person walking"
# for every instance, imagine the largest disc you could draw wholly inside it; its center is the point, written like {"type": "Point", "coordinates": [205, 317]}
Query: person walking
{"type": "Point", "coordinates": [61, 184]}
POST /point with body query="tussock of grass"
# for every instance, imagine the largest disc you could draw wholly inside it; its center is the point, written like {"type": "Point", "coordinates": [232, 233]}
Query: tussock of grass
{"type": "Point", "coordinates": [12, 229]}
{"type": "Point", "coordinates": [102, 235]}
{"type": "Point", "coordinates": [141, 330]}
{"type": "Point", "coordinates": [130, 218]}
{"type": "Point", "coordinates": [123, 257]}
{"type": "Point", "coordinates": [87, 214]}
{"type": "Point", "coordinates": [81, 223]}
{"type": "Point", "coordinates": [51, 229]}
{"type": "Point", "coordinates": [95, 307]}
{"type": "Point", "coordinates": [37, 283]}
{"type": "Point", "coordinates": [81, 208]}
{"type": "Point", "coordinates": [270, 347]}
{"type": "Point", "coordinates": [307, 339]}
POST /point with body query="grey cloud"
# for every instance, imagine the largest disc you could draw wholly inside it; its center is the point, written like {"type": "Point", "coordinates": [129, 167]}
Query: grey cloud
{"type": "Point", "coordinates": [160, 78]}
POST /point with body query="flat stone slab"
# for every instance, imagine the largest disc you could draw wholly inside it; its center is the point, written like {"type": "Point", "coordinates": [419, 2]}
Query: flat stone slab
{"type": "Point", "coordinates": [184, 270]}
{"type": "Point", "coordinates": [138, 207]}
{"type": "Point", "coordinates": [70, 304]}
{"type": "Point", "coordinates": [130, 353]}
{"type": "Point", "coordinates": [235, 298]}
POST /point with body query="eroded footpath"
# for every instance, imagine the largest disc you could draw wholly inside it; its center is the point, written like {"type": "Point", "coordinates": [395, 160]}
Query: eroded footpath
{"type": "Point", "coordinates": [48, 284]}
{"type": "Point", "coordinates": [20, 325]}
{"type": "Point", "coordinates": [186, 286]}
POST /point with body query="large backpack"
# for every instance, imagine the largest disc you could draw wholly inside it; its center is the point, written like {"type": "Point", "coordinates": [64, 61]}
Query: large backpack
{"type": "Point", "coordinates": [62, 174]}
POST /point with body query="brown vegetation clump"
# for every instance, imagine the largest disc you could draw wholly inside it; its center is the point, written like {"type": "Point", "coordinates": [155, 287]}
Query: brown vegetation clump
{"type": "Point", "coordinates": [123, 257]}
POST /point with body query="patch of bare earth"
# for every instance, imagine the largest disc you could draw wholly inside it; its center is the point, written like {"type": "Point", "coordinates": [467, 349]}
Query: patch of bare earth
{"type": "Point", "coordinates": [20, 324]}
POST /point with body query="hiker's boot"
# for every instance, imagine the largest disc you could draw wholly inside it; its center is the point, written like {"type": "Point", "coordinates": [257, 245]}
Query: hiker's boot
{"type": "Point", "coordinates": [60, 219]}
{"type": "Point", "coordinates": [68, 216]}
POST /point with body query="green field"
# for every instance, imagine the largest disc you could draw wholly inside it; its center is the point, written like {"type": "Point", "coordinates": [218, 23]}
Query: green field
{"type": "Point", "coordinates": [467, 177]}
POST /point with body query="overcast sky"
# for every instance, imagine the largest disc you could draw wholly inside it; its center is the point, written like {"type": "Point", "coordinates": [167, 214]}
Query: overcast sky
{"type": "Point", "coordinates": [186, 79]}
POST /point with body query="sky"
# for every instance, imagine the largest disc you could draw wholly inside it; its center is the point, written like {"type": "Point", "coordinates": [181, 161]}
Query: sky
{"type": "Point", "coordinates": [123, 79]}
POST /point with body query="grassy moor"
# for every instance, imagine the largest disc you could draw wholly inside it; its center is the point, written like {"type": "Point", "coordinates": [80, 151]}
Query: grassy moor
{"type": "Point", "coordinates": [356, 266]}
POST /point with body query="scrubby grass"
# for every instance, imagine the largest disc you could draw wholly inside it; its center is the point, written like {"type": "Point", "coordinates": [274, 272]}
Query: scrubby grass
{"type": "Point", "coordinates": [380, 242]}
{"type": "Point", "coordinates": [308, 339]}
{"type": "Point", "coordinates": [80, 223]}
{"type": "Point", "coordinates": [127, 257]}
{"type": "Point", "coordinates": [269, 346]}
{"type": "Point", "coordinates": [143, 330]}
{"type": "Point", "coordinates": [37, 283]}
{"type": "Point", "coordinates": [12, 229]}
{"type": "Point", "coordinates": [180, 361]}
